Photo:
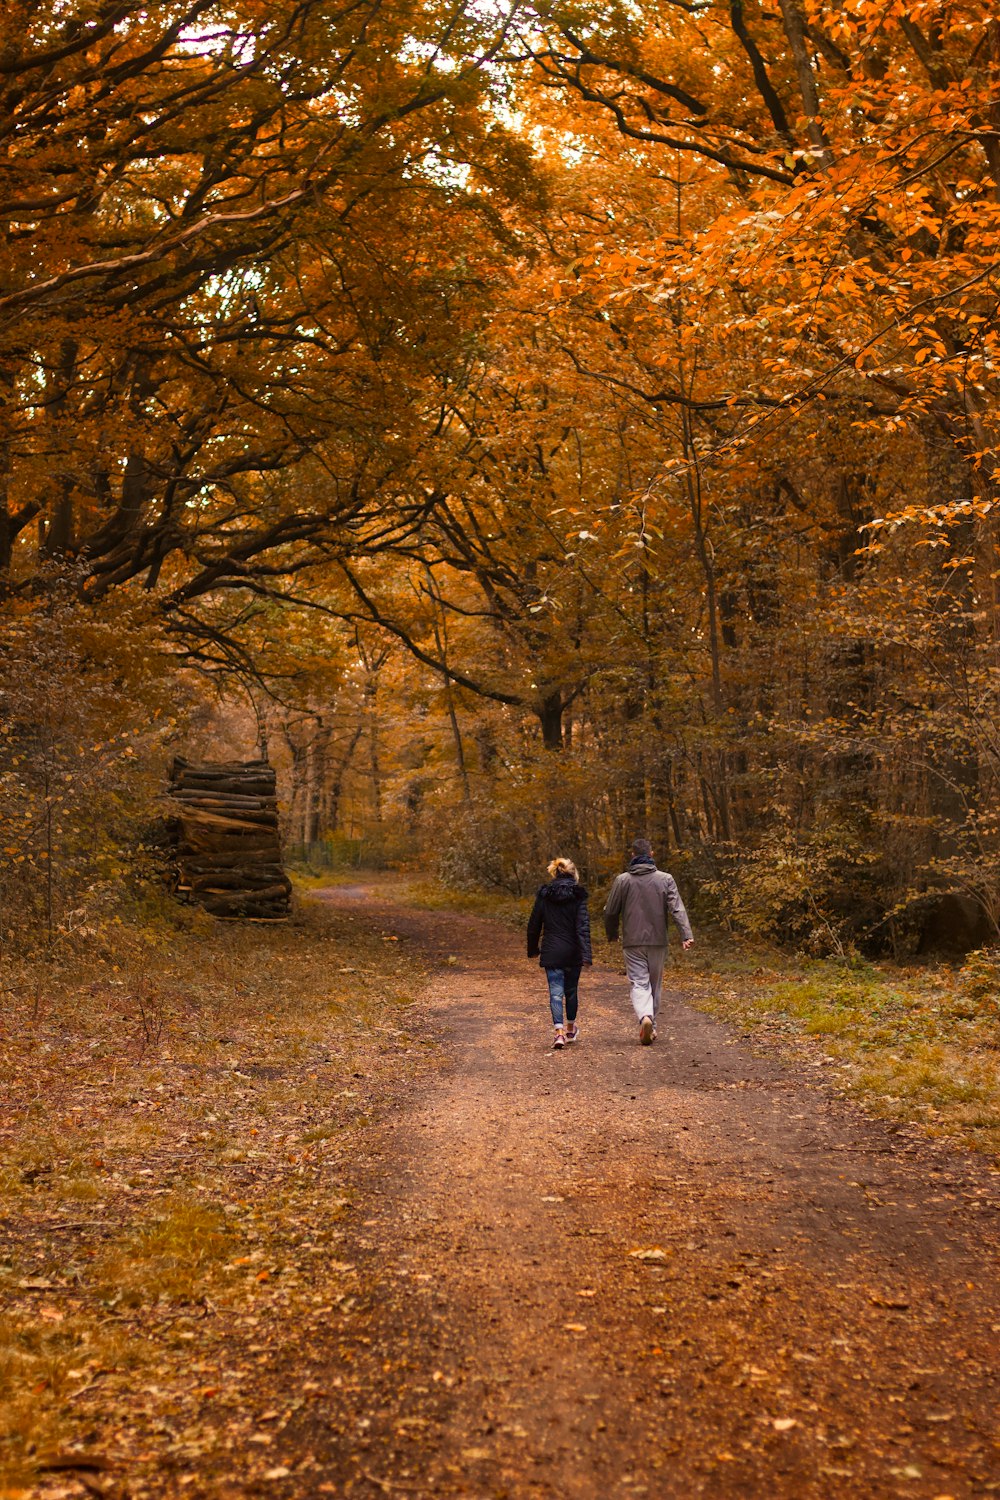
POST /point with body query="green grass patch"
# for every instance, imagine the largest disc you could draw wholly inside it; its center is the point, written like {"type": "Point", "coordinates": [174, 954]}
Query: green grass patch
{"type": "Point", "coordinates": [432, 895]}
{"type": "Point", "coordinates": [167, 1257]}
{"type": "Point", "coordinates": [914, 1045]}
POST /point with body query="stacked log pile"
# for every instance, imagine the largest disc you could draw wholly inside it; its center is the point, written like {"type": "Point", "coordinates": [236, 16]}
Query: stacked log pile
{"type": "Point", "coordinates": [225, 852]}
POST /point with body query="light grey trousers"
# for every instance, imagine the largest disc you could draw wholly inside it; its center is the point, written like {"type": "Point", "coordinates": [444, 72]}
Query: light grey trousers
{"type": "Point", "coordinates": [644, 967]}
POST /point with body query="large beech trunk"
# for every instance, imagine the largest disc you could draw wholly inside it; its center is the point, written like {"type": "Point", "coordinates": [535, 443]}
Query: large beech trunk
{"type": "Point", "coordinates": [224, 843]}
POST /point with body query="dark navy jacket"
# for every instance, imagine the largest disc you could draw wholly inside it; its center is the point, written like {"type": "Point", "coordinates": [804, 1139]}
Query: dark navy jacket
{"type": "Point", "coordinates": [559, 925]}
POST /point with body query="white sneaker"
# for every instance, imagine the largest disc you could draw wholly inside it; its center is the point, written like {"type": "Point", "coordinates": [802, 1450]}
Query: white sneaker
{"type": "Point", "coordinates": [646, 1030]}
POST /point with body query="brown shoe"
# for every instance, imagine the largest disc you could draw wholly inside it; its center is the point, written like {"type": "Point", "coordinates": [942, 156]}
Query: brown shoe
{"type": "Point", "coordinates": [646, 1032]}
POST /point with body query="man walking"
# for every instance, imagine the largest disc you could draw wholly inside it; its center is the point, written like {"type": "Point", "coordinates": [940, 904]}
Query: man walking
{"type": "Point", "coordinates": [641, 897]}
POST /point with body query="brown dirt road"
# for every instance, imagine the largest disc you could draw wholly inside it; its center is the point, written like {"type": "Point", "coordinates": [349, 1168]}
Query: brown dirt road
{"type": "Point", "coordinates": [814, 1312]}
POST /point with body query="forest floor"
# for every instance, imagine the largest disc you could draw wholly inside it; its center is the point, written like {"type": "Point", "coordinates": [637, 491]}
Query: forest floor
{"type": "Point", "coordinates": [328, 1218]}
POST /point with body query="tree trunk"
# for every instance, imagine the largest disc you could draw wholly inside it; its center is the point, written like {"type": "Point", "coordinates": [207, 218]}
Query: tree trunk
{"type": "Point", "coordinates": [456, 734]}
{"type": "Point", "coordinates": [374, 756]}
{"type": "Point", "coordinates": [550, 716]}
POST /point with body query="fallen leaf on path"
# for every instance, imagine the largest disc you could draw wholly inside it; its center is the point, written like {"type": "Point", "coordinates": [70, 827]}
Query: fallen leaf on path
{"type": "Point", "coordinates": [784, 1424]}
{"type": "Point", "coordinates": [575, 1327]}
{"type": "Point", "coordinates": [653, 1254]}
{"type": "Point", "coordinates": [475, 1455]}
{"type": "Point", "coordinates": [279, 1473]}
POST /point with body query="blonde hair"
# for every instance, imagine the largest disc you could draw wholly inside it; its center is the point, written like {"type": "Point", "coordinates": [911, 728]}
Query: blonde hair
{"type": "Point", "coordinates": [562, 866]}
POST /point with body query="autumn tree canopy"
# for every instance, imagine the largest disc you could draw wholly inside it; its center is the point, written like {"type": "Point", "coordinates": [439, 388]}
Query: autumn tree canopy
{"type": "Point", "coordinates": [562, 418]}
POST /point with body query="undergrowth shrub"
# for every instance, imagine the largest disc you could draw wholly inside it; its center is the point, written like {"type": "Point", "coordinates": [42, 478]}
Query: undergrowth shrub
{"type": "Point", "coordinates": [979, 981]}
{"type": "Point", "coordinates": [808, 888]}
{"type": "Point", "coordinates": [334, 851]}
{"type": "Point", "coordinates": [487, 846]}
{"type": "Point", "coordinates": [88, 705]}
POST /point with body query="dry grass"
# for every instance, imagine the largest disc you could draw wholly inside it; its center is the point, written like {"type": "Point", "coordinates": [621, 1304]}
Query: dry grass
{"type": "Point", "coordinates": [911, 1045]}
{"type": "Point", "coordinates": [167, 1256]}
{"type": "Point", "coordinates": [182, 1116]}
{"type": "Point", "coordinates": [42, 1365]}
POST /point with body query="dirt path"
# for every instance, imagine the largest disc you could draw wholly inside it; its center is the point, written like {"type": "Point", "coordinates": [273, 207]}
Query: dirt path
{"type": "Point", "coordinates": [814, 1311]}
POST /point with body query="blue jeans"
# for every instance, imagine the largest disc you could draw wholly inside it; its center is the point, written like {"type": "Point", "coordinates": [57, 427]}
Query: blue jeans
{"type": "Point", "coordinates": [563, 985]}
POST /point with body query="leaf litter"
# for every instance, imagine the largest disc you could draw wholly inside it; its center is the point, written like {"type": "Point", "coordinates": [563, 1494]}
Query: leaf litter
{"type": "Point", "coordinates": [170, 1212]}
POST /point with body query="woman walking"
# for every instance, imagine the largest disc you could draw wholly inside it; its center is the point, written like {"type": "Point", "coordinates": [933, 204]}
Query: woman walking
{"type": "Point", "coordinates": [559, 933]}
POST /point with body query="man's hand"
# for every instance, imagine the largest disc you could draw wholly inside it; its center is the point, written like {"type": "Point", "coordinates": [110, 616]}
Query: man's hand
{"type": "Point", "coordinates": [687, 942]}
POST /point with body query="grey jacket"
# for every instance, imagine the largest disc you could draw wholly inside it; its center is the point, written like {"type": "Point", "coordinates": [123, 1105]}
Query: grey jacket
{"type": "Point", "coordinates": [642, 896]}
